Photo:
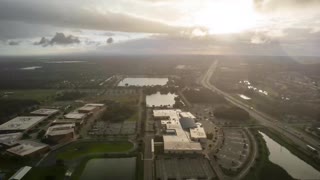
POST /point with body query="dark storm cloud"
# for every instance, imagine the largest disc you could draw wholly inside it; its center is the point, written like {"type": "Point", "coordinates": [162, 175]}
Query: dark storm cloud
{"type": "Point", "coordinates": [13, 43]}
{"type": "Point", "coordinates": [58, 39]}
{"type": "Point", "coordinates": [110, 40]}
{"type": "Point", "coordinates": [72, 14]}
{"type": "Point", "coordinates": [251, 43]}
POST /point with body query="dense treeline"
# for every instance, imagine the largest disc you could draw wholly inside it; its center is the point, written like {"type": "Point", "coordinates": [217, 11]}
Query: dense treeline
{"type": "Point", "coordinates": [69, 95]}
{"type": "Point", "coordinates": [10, 107]}
{"type": "Point", "coordinates": [203, 96]}
{"type": "Point", "coordinates": [162, 89]}
{"type": "Point", "coordinates": [117, 112]}
{"type": "Point", "coordinates": [232, 113]}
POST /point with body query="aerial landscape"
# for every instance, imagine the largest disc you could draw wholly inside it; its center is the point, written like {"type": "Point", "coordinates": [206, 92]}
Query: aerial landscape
{"type": "Point", "coordinates": [160, 90]}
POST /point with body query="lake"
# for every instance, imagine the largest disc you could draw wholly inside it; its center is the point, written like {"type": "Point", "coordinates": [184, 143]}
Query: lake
{"type": "Point", "coordinates": [143, 81]}
{"type": "Point", "coordinates": [160, 99]}
{"type": "Point", "coordinates": [110, 168]}
{"type": "Point", "coordinates": [296, 167]}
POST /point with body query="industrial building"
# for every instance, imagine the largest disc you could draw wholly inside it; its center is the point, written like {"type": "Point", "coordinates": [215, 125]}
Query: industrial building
{"type": "Point", "coordinates": [45, 112]}
{"type": "Point", "coordinates": [75, 115]}
{"type": "Point", "coordinates": [60, 133]}
{"type": "Point", "coordinates": [181, 133]}
{"type": "Point", "coordinates": [21, 124]}
{"type": "Point", "coordinates": [90, 108]}
{"type": "Point", "coordinates": [8, 140]}
{"type": "Point", "coordinates": [28, 148]}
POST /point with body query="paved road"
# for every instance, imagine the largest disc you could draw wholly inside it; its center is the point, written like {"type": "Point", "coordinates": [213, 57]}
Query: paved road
{"type": "Point", "coordinates": [299, 138]}
{"type": "Point", "coordinates": [148, 157]}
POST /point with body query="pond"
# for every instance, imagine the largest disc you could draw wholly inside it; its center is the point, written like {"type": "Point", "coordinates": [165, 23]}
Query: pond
{"type": "Point", "coordinates": [160, 99]}
{"type": "Point", "coordinates": [296, 167]}
{"type": "Point", "coordinates": [143, 82]}
{"type": "Point", "coordinates": [244, 97]}
{"type": "Point", "coordinates": [110, 168]}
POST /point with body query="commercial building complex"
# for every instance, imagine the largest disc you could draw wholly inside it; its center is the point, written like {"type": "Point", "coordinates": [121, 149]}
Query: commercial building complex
{"type": "Point", "coordinates": [181, 133]}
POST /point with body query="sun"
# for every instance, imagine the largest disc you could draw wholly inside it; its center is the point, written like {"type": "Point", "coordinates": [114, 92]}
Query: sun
{"type": "Point", "coordinates": [222, 17]}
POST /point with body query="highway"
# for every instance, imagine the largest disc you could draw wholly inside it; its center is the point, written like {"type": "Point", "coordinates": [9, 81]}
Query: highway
{"type": "Point", "coordinates": [299, 138]}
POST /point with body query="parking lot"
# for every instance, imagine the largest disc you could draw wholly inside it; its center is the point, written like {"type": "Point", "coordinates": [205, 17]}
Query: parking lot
{"type": "Point", "coordinates": [170, 167]}
{"type": "Point", "coordinates": [102, 128]}
{"type": "Point", "coordinates": [234, 150]}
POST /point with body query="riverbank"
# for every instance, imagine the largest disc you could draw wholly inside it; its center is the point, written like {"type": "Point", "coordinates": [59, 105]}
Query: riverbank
{"type": "Point", "coordinates": [264, 169]}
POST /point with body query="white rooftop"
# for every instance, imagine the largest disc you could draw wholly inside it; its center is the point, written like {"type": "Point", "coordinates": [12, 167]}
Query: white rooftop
{"type": "Point", "coordinates": [182, 140]}
{"type": "Point", "coordinates": [10, 139]}
{"type": "Point", "coordinates": [22, 123]}
{"type": "Point", "coordinates": [197, 132]}
{"type": "Point", "coordinates": [75, 115]}
{"type": "Point", "coordinates": [172, 114]}
{"type": "Point", "coordinates": [60, 129]}
{"type": "Point", "coordinates": [187, 115]}
{"type": "Point", "coordinates": [26, 147]}
{"type": "Point", "coordinates": [45, 112]}
{"type": "Point", "coordinates": [95, 104]}
{"type": "Point", "coordinates": [87, 108]}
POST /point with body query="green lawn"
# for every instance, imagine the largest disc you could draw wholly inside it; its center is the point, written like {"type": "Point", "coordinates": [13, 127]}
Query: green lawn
{"type": "Point", "coordinates": [35, 94]}
{"type": "Point", "coordinates": [134, 117]}
{"type": "Point", "coordinates": [43, 173]}
{"type": "Point", "coordinates": [80, 149]}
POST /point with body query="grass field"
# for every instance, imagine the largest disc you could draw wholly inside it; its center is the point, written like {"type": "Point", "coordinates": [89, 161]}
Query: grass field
{"type": "Point", "coordinates": [41, 173]}
{"type": "Point", "coordinates": [35, 94]}
{"type": "Point", "coordinates": [79, 149]}
{"type": "Point", "coordinates": [134, 117]}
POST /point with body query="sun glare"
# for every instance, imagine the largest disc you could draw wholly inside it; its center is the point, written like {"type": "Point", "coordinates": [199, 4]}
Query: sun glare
{"type": "Point", "coordinates": [222, 17]}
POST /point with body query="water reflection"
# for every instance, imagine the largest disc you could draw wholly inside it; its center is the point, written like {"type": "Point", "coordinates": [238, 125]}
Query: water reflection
{"type": "Point", "coordinates": [296, 167]}
{"type": "Point", "coordinates": [158, 99]}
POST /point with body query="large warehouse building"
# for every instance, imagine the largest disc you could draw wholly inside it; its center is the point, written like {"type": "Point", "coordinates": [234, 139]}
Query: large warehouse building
{"type": "Point", "coordinates": [10, 139]}
{"type": "Point", "coordinates": [182, 134]}
{"type": "Point", "coordinates": [45, 112]}
{"type": "Point", "coordinates": [60, 133]}
{"type": "Point", "coordinates": [28, 148]}
{"type": "Point", "coordinates": [21, 124]}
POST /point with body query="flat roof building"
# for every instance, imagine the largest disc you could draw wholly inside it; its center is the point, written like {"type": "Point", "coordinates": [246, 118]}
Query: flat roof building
{"type": "Point", "coordinates": [177, 139]}
{"type": "Point", "coordinates": [87, 109]}
{"type": "Point", "coordinates": [96, 104]}
{"type": "Point", "coordinates": [28, 148]}
{"type": "Point", "coordinates": [45, 112]}
{"type": "Point", "coordinates": [187, 115]}
{"type": "Point", "coordinates": [75, 115]}
{"type": "Point", "coordinates": [10, 139]}
{"type": "Point", "coordinates": [198, 133]}
{"type": "Point", "coordinates": [21, 123]}
{"type": "Point", "coordinates": [60, 133]}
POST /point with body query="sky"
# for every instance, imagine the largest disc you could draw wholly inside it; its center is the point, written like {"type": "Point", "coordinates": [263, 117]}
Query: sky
{"type": "Point", "coordinates": [232, 27]}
